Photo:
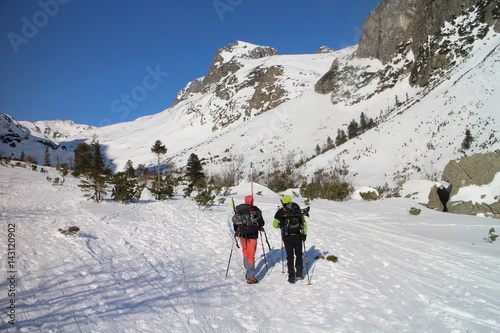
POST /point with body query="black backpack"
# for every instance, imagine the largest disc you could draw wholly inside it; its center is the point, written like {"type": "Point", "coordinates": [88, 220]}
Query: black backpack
{"type": "Point", "coordinates": [292, 217]}
{"type": "Point", "coordinates": [244, 216]}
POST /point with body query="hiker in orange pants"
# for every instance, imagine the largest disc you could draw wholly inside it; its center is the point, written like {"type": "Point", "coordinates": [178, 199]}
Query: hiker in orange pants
{"type": "Point", "coordinates": [249, 246]}
{"type": "Point", "coordinates": [247, 222]}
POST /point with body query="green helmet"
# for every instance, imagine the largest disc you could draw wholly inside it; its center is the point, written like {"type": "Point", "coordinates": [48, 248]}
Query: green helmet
{"type": "Point", "coordinates": [286, 199]}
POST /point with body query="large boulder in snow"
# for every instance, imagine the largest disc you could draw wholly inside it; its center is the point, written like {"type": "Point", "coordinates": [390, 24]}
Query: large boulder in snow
{"type": "Point", "coordinates": [434, 199]}
{"type": "Point", "coordinates": [474, 208]}
{"type": "Point", "coordinates": [475, 180]}
{"type": "Point", "coordinates": [478, 169]}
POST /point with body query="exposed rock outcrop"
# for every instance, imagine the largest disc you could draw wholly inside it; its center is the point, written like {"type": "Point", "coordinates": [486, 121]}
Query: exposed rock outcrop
{"type": "Point", "coordinates": [226, 62]}
{"type": "Point", "coordinates": [434, 200]}
{"type": "Point", "coordinates": [385, 28]}
{"type": "Point", "coordinates": [396, 22]}
{"type": "Point", "coordinates": [325, 49]}
{"type": "Point", "coordinates": [237, 87]}
{"type": "Point", "coordinates": [470, 208]}
{"type": "Point", "coordinates": [328, 82]}
{"type": "Point", "coordinates": [478, 169]}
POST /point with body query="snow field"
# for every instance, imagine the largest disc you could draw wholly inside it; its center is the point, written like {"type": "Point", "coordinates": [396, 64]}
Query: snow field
{"type": "Point", "coordinates": [160, 266]}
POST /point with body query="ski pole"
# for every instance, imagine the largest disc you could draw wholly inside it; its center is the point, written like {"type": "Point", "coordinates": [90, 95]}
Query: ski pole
{"type": "Point", "coordinates": [267, 241]}
{"type": "Point", "coordinates": [282, 257]}
{"type": "Point", "coordinates": [307, 266]}
{"type": "Point", "coordinates": [229, 261]}
{"type": "Point", "coordinates": [264, 251]}
{"type": "Point", "coordinates": [235, 240]}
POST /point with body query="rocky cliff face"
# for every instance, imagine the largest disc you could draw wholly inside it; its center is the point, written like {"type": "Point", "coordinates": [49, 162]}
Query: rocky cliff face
{"type": "Point", "coordinates": [418, 41]}
{"type": "Point", "coordinates": [387, 26]}
{"type": "Point", "coordinates": [11, 131]}
{"type": "Point", "coordinates": [412, 22]}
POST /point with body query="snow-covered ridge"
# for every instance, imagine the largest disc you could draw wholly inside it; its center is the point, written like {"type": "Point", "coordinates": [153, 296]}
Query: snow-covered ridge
{"type": "Point", "coordinates": [55, 130]}
{"type": "Point", "coordinates": [243, 50]}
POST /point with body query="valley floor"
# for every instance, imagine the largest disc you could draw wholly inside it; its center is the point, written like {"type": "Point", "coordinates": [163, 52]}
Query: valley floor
{"type": "Point", "coordinates": [160, 266]}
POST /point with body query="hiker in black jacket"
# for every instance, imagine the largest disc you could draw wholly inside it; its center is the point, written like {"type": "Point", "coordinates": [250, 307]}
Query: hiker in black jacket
{"type": "Point", "coordinates": [293, 227]}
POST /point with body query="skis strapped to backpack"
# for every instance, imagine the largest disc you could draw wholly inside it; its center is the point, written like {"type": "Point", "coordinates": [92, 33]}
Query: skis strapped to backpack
{"type": "Point", "coordinates": [292, 216]}
{"type": "Point", "coordinates": [244, 216]}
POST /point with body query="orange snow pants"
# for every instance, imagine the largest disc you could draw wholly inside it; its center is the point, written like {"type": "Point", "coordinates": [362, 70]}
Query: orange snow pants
{"type": "Point", "coordinates": [249, 246]}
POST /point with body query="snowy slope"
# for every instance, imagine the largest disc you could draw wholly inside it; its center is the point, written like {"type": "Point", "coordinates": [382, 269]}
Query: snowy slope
{"type": "Point", "coordinates": [160, 266]}
{"type": "Point", "coordinates": [420, 137]}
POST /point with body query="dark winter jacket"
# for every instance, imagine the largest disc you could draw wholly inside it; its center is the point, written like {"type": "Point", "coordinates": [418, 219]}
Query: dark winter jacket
{"type": "Point", "coordinates": [248, 231]}
{"type": "Point", "coordinates": [279, 222]}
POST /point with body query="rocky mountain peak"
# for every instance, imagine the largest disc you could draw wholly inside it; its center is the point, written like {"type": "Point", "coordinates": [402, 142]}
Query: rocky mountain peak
{"type": "Point", "coordinates": [242, 50]}
{"type": "Point", "coordinates": [226, 62]}
{"type": "Point", "coordinates": [324, 49]}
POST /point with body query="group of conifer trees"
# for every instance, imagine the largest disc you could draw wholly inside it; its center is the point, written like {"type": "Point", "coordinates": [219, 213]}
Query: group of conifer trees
{"type": "Point", "coordinates": [97, 177]}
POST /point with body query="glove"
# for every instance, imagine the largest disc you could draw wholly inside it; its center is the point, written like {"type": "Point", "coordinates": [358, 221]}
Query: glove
{"type": "Point", "coordinates": [304, 237]}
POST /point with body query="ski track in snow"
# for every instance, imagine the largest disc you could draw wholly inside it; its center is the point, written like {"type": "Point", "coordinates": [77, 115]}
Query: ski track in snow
{"type": "Point", "coordinates": [160, 267]}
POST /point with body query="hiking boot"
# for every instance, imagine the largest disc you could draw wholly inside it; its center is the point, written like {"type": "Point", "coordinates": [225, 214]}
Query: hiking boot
{"type": "Point", "coordinates": [299, 276]}
{"type": "Point", "coordinates": [291, 279]}
{"type": "Point", "coordinates": [254, 281]}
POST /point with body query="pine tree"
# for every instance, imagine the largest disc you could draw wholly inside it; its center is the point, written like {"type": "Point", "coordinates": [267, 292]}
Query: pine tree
{"type": "Point", "coordinates": [194, 174]}
{"type": "Point", "coordinates": [96, 177]}
{"type": "Point", "coordinates": [371, 123]}
{"type": "Point", "coordinates": [466, 144]}
{"type": "Point", "coordinates": [318, 149]}
{"type": "Point", "coordinates": [46, 159]}
{"type": "Point", "coordinates": [366, 123]}
{"type": "Point", "coordinates": [158, 149]}
{"type": "Point", "coordinates": [206, 197]}
{"type": "Point", "coordinates": [126, 189]}
{"type": "Point", "coordinates": [329, 143]}
{"type": "Point", "coordinates": [341, 137]}
{"type": "Point", "coordinates": [163, 190]}
{"type": "Point", "coordinates": [129, 169]}
{"type": "Point", "coordinates": [83, 158]}
{"type": "Point", "coordinates": [363, 122]}
{"type": "Point", "coordinates": [353, 129]}
{"type": "Point", "coordinates": [58, 162]}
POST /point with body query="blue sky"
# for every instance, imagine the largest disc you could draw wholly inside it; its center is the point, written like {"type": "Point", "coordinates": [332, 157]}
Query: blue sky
{"type": "Point", "coordinates": [83, 60]}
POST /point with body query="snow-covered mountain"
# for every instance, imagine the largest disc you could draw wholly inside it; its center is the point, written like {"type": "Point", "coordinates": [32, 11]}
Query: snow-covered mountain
{"type": "Point", "coordinates": [270, 108]}
{"type": "Point", "coordinates": [169, 266]}
{"type": "Point", "coordinates": [33, 139]}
